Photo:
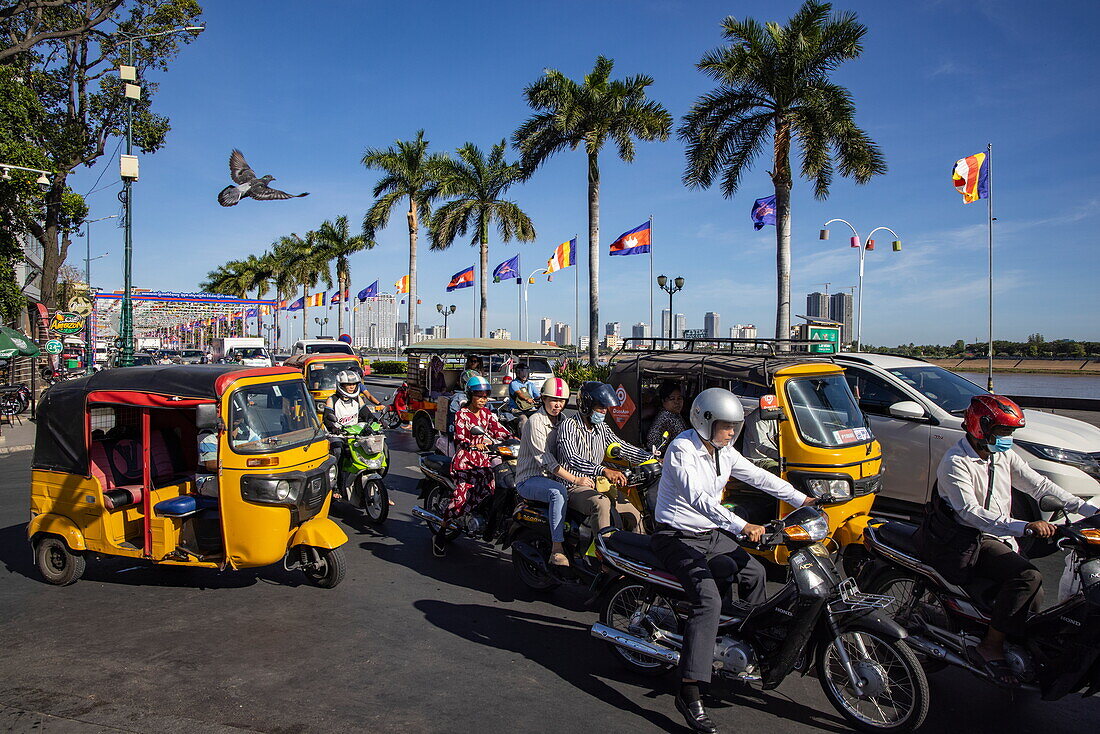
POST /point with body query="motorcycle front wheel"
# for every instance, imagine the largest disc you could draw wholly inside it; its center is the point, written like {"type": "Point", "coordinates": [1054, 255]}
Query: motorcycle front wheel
{"type": "Point", "coordinates": [895, 691]}
{"type": "Point", "coordinates": [390, 419]}
{"type": "Point", "coordinates": [626, 611]}
{"type": "Point", "coordinates": [374, 499]}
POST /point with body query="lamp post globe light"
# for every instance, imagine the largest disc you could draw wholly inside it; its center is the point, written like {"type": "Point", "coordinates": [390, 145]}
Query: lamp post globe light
{"type": "Point", "coordinates": [863, 247]}
{"type": "Point", "coordinates": [129, 169]}
{"type": "Point", "coordinates": [89, 347]}
{"type": "Point", "coordinates": [670, 286]}
{"type": "Point", "coordinates": [321, 324]}
{"type": "Point", "coordinates": [446, 311]}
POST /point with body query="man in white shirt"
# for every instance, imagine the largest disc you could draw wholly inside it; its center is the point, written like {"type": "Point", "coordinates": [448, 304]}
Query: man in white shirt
{"type": "Point", "coordinates": [975, 481]}
{"type": "Point", "coordinates": [694, 533]}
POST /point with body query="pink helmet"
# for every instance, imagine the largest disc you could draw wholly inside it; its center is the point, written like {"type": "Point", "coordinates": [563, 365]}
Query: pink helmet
{"type": "Point", "coordinates": [555, 387]}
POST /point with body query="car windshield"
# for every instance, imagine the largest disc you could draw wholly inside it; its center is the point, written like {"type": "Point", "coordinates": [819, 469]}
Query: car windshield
{"type": "Point", "coordinates": [271, 417]}
{"type": "Point", "coordinates": [322, 375]}
{"type": "Point", "coordinates": [534, 364]}
{"type": "Point", "coordinates": [825, 411]}
{"type": "Point", "coordinates": [191, 353]}
{"type": "Point", "coordinates": [942, 387]}
{"type": "Point", "coordinates": [141, 360]}
{"type": "Point", "coordinates": [334, 348]}
{"type": "Point", "coordinates": [248, 353]}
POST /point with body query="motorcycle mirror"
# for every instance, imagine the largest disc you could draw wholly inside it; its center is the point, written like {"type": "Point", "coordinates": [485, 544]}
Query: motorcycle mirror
{"type": "Point", "coordinates": [1050, 503]}
{"type": "Point", "coordinates": [477, 431]}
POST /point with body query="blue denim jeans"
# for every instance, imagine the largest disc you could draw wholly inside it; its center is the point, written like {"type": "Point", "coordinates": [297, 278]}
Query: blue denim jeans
{"type": "Point", "coordinates": [554, 494]}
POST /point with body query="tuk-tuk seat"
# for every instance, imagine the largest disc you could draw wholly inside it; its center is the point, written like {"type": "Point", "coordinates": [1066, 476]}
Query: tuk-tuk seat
{"type": "Point", "coordinates": [122, 496]}
{"type": "Point", "coordinates": [184, 506]}
{"type": "Point", "coordinates": [164, 464]}
{"type": "Point", "coordinates": [113, 464]}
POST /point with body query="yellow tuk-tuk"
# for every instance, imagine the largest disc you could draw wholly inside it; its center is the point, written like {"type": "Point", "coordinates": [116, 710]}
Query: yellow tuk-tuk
{"type": "Point", "coordinates": [823, 444]}
{"type": "Point", "coordinates": [117, 472]}
{"type": "Point", "coordinates": [435, 366]}
{"type": "Point", "coordinates": [320, 371]}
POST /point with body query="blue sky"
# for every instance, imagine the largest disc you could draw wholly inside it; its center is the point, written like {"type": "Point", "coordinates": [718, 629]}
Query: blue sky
{"type": "Point", "coordinates": [302, 89]}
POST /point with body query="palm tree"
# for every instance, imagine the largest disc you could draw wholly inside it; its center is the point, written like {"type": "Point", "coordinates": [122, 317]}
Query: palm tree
{"type": "Point", "coordinates": [478, 183]}
{"type": "Point", "coordinates": [774, 82]}
{"type": "Point", "coordinates": [568, 115]}
{"type": "Point", "coordinates": [256, 272]}
{"type": "Point", "coordinates": [409, 172]}
{"type": "Point", "coordinates": [338, 245]}
{"type": "Point", "coordinates": [306, 265]}
{"type": "Point", "coordinates": [228, 279]}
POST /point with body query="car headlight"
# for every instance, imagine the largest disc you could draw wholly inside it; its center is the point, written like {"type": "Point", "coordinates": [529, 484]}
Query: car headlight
{"type": "Point", "coordinates": [269, 490]}
{"type": "Point", "coordinates": [1085, 462]}
{"type": "Point", "coordinates": [835, 487]}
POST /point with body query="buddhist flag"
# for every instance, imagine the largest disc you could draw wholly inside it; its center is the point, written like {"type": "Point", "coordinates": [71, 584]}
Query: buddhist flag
{"type": "Point", "coordinates": [462, 279]}
{"type": "Point", "coordinates": [507, 270]}
{"type": "Point", "coordinates": [402, 284]}
{"type": "Point", "coordinates": [371, 291]}
{"type": "Point", "coordinates": [317, 299]}
{"type": "Point", "coordinates": [634, 242]}
{"type": "Point", "coordinates": [971, 177]}
{"type": "Point", "coordinates": [564, 255]}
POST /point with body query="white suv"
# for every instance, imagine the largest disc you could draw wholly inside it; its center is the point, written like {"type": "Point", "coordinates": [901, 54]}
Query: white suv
{"type": "Point", "coordinates": [915, 410]}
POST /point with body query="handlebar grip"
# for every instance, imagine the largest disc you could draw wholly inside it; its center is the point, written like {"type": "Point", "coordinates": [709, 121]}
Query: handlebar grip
{"type": "Point", "coordinates": [1028, 532]}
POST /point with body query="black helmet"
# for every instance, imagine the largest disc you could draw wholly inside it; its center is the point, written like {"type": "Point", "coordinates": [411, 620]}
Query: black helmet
{"type": "Point", "coordinates": [593, 394]}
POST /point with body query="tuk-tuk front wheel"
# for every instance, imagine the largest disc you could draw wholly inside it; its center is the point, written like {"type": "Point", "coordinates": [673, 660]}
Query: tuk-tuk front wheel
{"type": "Point", "coordinates": [323, 567]}
{"type": "Point", "coordinates": [57, 564]}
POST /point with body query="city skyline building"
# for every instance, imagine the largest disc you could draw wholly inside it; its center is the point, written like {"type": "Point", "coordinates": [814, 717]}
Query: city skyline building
{"type": "Point", "coordinates": [612, 342]}
{"type": "Point", "coordinates": [743, 331]}
{"type": "Point", "coordinates": [817, 305]}
{"type": "Point", "coordinates": [711, 323]}
{"type": "Point", "coordinates": [611, 328]}
{"type": "Point", "coordinates": [680, 325]}
{"type": "Point", "coordinates": [563, 334]}
{"type": "Point", "coordinates": [546, 330]}
{"type": "Point", "coordinates": [376, 322]}
{"type": "Point", "coordinates": [840, 310]}
{"type": "Point", "coordinates": [666, 319]}
{"type": "Point", "coordinates": [640, 330]}
{"type": "Point", "coordinates": [500, 334]}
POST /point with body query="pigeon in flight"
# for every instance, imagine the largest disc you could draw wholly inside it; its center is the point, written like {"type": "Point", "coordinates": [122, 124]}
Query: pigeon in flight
{"type": "Point", "coordinates": [248, 184]}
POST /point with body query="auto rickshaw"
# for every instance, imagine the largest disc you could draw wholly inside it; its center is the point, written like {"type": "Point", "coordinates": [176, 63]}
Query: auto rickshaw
{"type": "Point", "coordinates": [320, 371]}
{"type": "Point", "coordinates": [116, 472]}
{"type": "Point", "coordinates": [434, 368]}
{"type": "Point", "coordinates": [824, 445]}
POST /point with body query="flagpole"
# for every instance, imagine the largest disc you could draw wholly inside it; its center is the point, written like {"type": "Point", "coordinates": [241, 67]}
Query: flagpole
{"type": "Point", "coordinates": [576, 292]}
{"type": "Point", "coordinates": [650, 285]}
{"type": "Point", "coordinates": [519, 293]}
{"type": "Point", "coordinates": [989, 162]}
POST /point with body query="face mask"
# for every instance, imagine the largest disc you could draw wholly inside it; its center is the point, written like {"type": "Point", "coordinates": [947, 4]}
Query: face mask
{"type": "Point", "coordinates": [1000, 444]}
{"type": "Point", "coordinates": [597, 418]}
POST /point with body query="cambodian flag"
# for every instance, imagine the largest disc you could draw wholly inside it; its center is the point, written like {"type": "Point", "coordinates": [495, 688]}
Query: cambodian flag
{"type": "Point", "coordinates": [252, 313]}
{"type": "Point", "coordinates": [507, 270]}
{"type": "Point", "coordinates": [634, 242]}
{"type": "Point", "coordinates": [462, 279]}
{"type": "Point", "coordinates": [371, 291]}
{"type": "Point", "coordinates": [763, 212]}
{"type": "Point", "coordinates": [339, 297]}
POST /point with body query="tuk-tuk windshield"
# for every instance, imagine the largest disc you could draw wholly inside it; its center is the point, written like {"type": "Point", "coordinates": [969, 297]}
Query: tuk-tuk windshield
{"type": "Point", "coordinates": [271, 417]}
{"type": "Point", "coordinates": [826, 412]}
{"type": "Point", "coordinates": [322, 375]}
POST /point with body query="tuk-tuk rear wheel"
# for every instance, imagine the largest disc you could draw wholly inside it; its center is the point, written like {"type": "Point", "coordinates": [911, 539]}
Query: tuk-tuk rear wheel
{"type": "Point", "coordinates": [423, 432]}
{"type": "Point", "coordinates": [57, 564]}
{"type": "Point", "coordinates": [329, 570]}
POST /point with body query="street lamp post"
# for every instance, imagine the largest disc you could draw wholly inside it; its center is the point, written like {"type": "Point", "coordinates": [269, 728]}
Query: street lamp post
{"type": "Point", "coordinates": [863, 247]}
{"type": "Point", "coordinates": [446, 311]}
{"type": "Point", "coordinates": [126, 317]}
{"type": "Point", "coordinates": [89, 348]}
{"type": "Point", "coordinates": [321, 324]}
{"type": "Point", "coordinates": [530, 280]}
{"type": "Point", "coordinates": [670, 287]}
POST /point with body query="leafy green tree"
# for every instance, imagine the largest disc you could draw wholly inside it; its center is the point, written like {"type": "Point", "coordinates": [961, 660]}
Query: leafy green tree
{"type": "Point", "coordinates": [477, 184]}
{"type": "Point", "coordinates": [569, 115]}
{"type": "Point", "coordinates": [28, 23]}
{"type": "Point", "coordinates": [409, 172]}
{"type": "Point", "coordinates": [338, 245]}
{"type": "Point", "coordinates": [307, 266]}
{"type": "Point", "coordinates": [774, 86]}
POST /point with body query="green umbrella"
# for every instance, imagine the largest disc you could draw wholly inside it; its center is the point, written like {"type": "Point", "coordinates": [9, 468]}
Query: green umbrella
{"type": "Point", "coordinates": [14, 344]}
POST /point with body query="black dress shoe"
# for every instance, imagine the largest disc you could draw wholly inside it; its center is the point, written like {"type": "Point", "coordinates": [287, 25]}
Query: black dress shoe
{"type": "Point", "coordinates": [696, 716]}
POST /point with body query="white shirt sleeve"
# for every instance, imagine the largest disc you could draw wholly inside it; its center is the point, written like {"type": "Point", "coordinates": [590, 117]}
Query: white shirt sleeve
{"type": "Point", "coordinates": [679, 466]}
{"type": "Point", "coordinates": [1028, 480]}
{"type": "Point", "coordinates": [762, 479]}
{"type": "Point", "coordinates": [957, 485]}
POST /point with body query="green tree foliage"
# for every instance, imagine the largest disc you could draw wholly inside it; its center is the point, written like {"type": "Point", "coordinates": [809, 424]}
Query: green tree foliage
{"type": "Point", "coordinates": [338, 245]}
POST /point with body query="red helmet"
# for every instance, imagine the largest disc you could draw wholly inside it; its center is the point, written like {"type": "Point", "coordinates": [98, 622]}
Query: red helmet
{"type": "Point", "coordinates": [988, 411]}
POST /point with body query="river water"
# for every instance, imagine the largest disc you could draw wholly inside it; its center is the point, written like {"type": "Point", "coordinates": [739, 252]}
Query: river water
{"type": "Point", "coordinates": [1050, 386]}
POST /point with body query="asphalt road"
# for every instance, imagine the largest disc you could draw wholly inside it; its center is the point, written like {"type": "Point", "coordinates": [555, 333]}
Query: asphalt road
{"type": "Point", "coordinates": [407, 643]}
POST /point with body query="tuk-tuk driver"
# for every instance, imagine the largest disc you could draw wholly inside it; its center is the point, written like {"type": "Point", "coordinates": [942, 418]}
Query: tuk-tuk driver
{"type": "Point", "coordinates": [206, 478]}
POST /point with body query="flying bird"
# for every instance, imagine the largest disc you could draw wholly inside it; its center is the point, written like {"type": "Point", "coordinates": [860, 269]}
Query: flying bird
{"type": "Point", "coordinates": [248, 184]}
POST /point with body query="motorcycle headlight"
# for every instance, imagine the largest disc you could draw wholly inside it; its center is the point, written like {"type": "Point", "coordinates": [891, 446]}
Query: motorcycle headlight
{"type": "Point", "coordinates": [374, 464]}
{"type": "Point", "coordinates": [1083, 461]}
{"type": "Point", "coordinates": [806, 524]}
{"type": "Point", "coordinates": [836, 487]}
{"type": "Point", "coordinates": [268, 490]}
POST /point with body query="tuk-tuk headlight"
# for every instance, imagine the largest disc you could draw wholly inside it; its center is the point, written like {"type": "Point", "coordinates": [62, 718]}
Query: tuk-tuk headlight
{"type": "Point", "coordinates": [834, 487]}
{"type": "Point", "coordinates": [270, 490]}
{"type": "Point", "coordinates": [332, 475]}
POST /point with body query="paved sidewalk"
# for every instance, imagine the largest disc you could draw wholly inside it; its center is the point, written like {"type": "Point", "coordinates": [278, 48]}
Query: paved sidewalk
{"type": "Point", "coordinates": [17, 435]}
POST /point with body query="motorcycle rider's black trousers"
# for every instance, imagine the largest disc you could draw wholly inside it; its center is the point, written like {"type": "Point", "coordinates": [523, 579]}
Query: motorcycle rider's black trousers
{"type": "Point", "coordinates": [1021, 585]}
{"type": "Point", "coordinates": [706, 564]}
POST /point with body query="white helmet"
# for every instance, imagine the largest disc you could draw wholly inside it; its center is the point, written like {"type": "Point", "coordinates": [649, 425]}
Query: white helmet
{"type": "Point", "coordinates": [716, 404]}
{"type": "Point", "coordinates": [555, 387]}
{"type": "Point", "coordinates": [348, 384]}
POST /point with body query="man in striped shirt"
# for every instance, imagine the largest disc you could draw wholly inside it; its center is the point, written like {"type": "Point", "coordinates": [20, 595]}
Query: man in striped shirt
{"type": "Point", "coordinates": [582, 445]}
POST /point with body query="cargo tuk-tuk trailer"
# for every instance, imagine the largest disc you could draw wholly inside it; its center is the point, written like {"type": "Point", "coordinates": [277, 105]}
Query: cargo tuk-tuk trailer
{"type": "Point", "coordinates": [116, 472]}
{"type": "Point", "coordinates": [824, 445]}
{"type": "Point", "coordinates": [435, 365]}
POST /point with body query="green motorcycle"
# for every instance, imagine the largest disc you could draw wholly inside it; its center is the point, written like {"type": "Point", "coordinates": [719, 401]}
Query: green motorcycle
{"type": "Point", "coordinates": [364, 461]}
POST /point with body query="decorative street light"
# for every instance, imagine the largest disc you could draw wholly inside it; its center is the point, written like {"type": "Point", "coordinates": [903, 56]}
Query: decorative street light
{"type": "Point", "coordinates": [530, 280]}
{"type": "Point", "coordinates": [321, 324]}
{"type": "Point", "coordinates": [446, 311]}
{"type": "Point", "coordinates": [43, 180]}
{"type": "Point", "coordinates": [863, 247]}
{"type": "Point", "coordinates": [89, 348]}
{"type": "Point", "coordinates": [128, 167]}
{"type": "Point", "coordinates": [675, 286]}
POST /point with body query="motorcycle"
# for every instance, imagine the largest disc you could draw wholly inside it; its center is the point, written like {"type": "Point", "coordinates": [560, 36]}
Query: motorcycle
{"type": "Point", "coordinates": [364, 461]}
{"type": "Point", "coordinates": [391, 416]}
{"type": "Point", "coordinates": [484, 522]}
{"type": "Point", "coordinates": [817, 619]}
{"type": "Point", "coordinates": [1060, 653]}
{"type": "Point", "coordinates": [14, 399]}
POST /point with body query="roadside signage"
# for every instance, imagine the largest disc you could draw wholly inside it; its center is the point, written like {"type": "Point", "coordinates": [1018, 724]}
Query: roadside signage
{"type": "Point", "coordinates": [64, 322]}
{"type": "Point", "coordinates": [695, 334]}
{"type": "Point", "coordinates": [829, 334]}
{"type": "Point", "coordinates": [80, 305]}
{"type": "Point", "coordinates": [54, 346]}
{"type": "Point", "coordinates": [346, 338]}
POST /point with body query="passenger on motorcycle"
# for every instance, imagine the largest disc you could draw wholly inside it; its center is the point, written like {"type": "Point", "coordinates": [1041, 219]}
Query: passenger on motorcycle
{"type": "Point", "coordinates": [694, 539]}
{"type": "Point", "coordinates": [969, 531]}
{"type": "Point", "coordinates": [582, 445]}
{"type": "Point", "coordinates": [539, 475]}
{"type": "Point", "coordinates": [471, 467]}
{"type": "Point", "coordinates": [349, 403]}
{"type": "Point", "coordinates": [523, 395]}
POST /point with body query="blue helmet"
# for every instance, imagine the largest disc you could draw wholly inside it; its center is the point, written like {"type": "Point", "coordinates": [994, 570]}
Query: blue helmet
{"type": "Point", "coordinates": [476, 383]}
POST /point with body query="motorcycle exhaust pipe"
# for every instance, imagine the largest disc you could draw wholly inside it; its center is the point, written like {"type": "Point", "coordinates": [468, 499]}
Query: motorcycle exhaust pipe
{"type": "Point", "coordinates": [423, 514]}
{"type": "Point", "coordinates": [936, 652]}
{"type": "Point", "coordinates": [635, 644]}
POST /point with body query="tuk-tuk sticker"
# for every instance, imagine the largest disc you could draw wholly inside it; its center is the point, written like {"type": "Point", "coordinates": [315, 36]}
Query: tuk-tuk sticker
{"type": "Point", "coordinates": [316, 367]}
{"type": "Point", "coordinates": [846, 435]}
{"type": "Point", "coordinates": [863, 434]}
{"type": "Point", "coordinates": [624, 410]}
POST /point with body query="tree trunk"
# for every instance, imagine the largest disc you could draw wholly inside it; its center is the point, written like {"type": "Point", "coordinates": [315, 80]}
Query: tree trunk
{"type": "Point", "coordinates": [414, 229]}
{"type": "Point", "coordinates": [305, 311]}
{"type": "Point", "coordinates": [593, 257]}
{"type": "Point", "coordinates": [340, 305]}
{"type": "Point", "coordinates": [484, 313]}
{"type": "Point", "coordinates": [781, 179]}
